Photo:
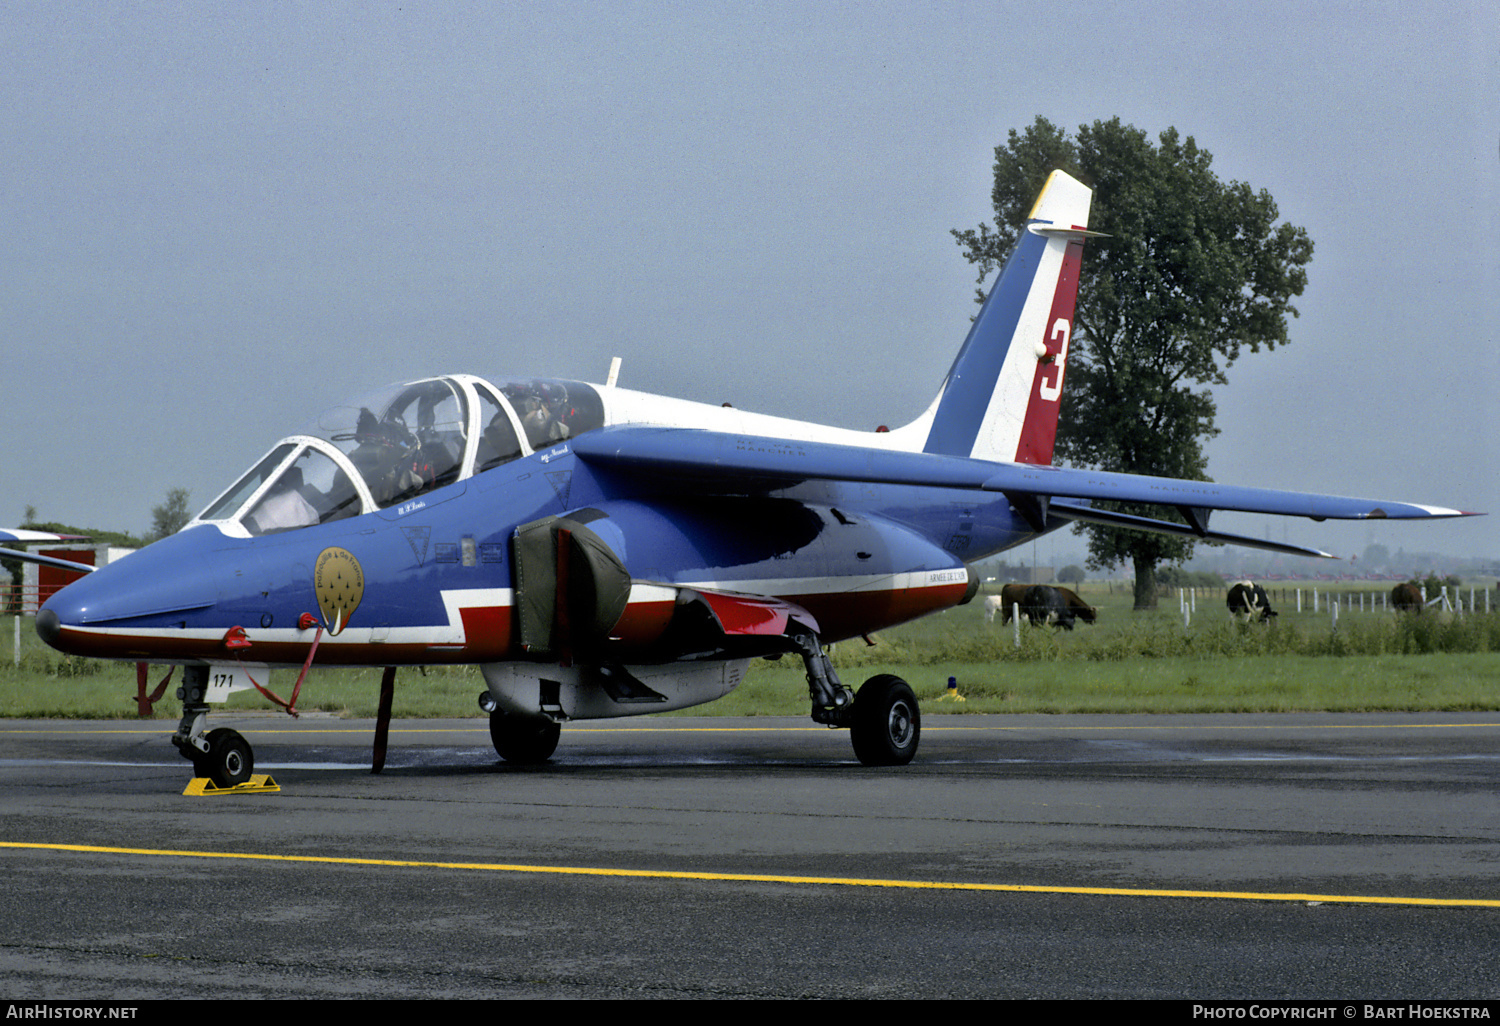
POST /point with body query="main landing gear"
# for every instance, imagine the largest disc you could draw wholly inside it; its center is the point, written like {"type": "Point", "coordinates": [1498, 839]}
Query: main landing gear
{"type": "Point", "coordinates": [883, 719]}
{"type": "Point", "coordinates": [222, 755]}
{"type": "Point", "coordinates": [523, 740]}
{"type": "Point", "coordinates": [887, 723]}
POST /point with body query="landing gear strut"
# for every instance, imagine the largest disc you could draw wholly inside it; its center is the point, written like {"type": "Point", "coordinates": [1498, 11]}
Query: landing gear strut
{"type": "Point", "coordinates": [222, 755]}
{"type": "Point", "coordinates": [883, 719]}
{"type": "Point", "coordinates": [832, 702]}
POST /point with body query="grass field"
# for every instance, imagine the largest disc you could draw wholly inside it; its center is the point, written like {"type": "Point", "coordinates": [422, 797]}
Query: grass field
{"type": "Point", "coordinates": [1128, 663]}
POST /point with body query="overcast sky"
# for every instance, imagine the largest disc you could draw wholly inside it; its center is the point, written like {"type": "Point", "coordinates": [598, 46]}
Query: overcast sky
{"type": "Point", "coordinates": [220, 219]}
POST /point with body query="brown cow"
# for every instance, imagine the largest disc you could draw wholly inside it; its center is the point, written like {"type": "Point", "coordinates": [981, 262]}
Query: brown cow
{"type": "Point", "coordinates": [1010, 596]}
{"type": "Point", "coordinates": [1407, 597]}
{"type": "Point", "coordinates": [1080, 608]}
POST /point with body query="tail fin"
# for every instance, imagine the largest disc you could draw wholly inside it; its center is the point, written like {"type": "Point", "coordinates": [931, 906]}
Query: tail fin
{"type": "Point", "coordinates": [1001, 397]}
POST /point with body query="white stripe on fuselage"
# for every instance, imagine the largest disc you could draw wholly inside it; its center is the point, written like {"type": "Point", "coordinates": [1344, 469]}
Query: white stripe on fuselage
{"type": "Point", "coordinates": [455, 601]}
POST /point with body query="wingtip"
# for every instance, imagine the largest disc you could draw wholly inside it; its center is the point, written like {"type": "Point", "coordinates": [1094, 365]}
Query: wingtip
{"type": "Point", "coordinates": [1440, 511]}
{"type": "Point", "coordinates": [1432, 512]}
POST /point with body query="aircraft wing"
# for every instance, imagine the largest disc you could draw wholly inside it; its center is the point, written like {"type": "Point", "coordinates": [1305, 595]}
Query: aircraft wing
{"type": "Point", "coordinates": [722, 463]}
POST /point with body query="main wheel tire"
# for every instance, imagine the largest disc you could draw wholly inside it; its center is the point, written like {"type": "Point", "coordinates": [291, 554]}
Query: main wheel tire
{"type": "Point", "coordinates": [887, 723]}
{"type": "Point", "coordinates": [229, 760]}
{"type": "Point", "coordinates": [523, 740]}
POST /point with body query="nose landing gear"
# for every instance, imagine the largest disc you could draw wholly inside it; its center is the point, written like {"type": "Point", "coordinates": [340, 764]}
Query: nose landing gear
{"type": "Point", "coordinates": [221, 755]}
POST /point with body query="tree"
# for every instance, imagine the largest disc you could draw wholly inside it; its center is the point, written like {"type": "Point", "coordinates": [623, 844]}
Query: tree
{"type": "Point", "coordinates": [1194, 272]}
{"type": "Point", "coordinates": [171, 515]}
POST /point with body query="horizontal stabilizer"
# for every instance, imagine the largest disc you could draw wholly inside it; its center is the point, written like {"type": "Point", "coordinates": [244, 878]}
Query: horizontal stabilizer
{"type": "Point", "coordinates": [17, 534]}
{"type": "Point", "coordinates": [36, 557]}
{"type": "Point", "coordinates": [1058, 230]}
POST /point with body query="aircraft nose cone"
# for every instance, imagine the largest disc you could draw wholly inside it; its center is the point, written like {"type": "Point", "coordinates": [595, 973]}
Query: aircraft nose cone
{"type": "Point", "coordinates": [151, 593]}
{"type": "Point", "coordinates": [48, 627]}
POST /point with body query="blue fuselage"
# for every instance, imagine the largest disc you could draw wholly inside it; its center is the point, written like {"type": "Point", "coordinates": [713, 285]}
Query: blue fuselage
{"type": "Point", "coordinates": [432, 580]}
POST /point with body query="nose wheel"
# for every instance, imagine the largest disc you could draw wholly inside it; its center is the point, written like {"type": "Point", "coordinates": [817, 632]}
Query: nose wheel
{"type": "Point", "coordinates": [229, 759]}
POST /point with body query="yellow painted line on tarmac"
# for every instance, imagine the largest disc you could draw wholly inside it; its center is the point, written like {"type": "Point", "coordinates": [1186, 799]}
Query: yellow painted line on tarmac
{"type": "Point", "coordinates": [931, 728]}
{"type": "Point", "coordinates": [1219, 726]}
{"type": "Point", "coordinates": [815, 881]}
{"type": "Point", "coordinates": [477, 729]}
{"type": "Point", "coordinates": [166, 729]}
{"type": "Point", "coordinates": [482, 727]}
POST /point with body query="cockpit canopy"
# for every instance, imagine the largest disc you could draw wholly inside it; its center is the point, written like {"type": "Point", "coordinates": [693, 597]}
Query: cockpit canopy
{"type": "Point", "coordinates": [400, 442]}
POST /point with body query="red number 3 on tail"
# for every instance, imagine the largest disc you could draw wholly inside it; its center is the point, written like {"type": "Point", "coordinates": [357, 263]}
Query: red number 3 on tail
{"type": "Point", "coordinates": [1050, 388]}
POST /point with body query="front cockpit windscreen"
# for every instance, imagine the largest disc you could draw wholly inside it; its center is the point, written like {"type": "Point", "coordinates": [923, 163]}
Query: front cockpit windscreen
{"type": "Point", "coordinates": [312, 490]}
{"type": "Point", "coordinates": [232, 500]}
{"type": "Point", "coordinates": [394, 444]}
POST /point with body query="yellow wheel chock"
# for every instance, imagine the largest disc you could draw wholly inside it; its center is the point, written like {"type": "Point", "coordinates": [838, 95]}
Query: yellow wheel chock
{"type": "Point", "coordinates": [259, 783]}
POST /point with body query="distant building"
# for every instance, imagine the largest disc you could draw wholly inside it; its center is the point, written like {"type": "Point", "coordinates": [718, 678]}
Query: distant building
{"type": "Point", "coordinates": [1033, 575]}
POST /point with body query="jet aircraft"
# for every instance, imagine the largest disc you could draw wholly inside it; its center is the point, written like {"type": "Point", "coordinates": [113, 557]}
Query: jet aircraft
{"type": "Point", "coordinates": [601, 552]}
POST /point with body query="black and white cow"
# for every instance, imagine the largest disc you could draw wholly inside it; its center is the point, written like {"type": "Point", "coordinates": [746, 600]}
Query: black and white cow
{"type": "Point", "coordinates": [1043, 604]}
{"type": "Point", "coordinates": [1248, 601]}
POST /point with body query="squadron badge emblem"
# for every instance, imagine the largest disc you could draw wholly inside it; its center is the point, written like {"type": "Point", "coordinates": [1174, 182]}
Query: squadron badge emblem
{"type": "Point", "coordinates": [339, 582]}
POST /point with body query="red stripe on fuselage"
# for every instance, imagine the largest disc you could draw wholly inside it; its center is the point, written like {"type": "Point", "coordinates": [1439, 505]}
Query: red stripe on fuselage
{"type": "Point", "coordinates": [487, 632]}
{"type": "Point", "coordinates": [643, 623]}
{"type": "Point", "coordinates": [848, 614]}
{"type": "Point", "coordinates": [165, 648]}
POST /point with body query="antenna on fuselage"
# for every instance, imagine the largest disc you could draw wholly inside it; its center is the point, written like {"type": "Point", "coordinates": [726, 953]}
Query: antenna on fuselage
{"type": "Point", "coordinates": [614, 372]}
